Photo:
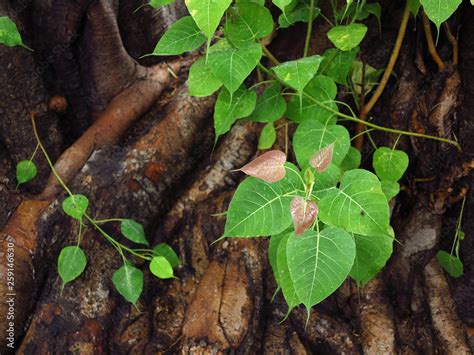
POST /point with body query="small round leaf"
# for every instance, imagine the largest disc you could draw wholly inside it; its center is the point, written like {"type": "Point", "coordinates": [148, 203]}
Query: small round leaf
{"type": "Point", "coordinates": [133, 231]}
{"type": "Point", "coordinates": [160, 267]}
{"type": "Point", "coordinates": [167, 252]}
{"type": "Point", "coordinates": [71, 263]}
{"type": "Point", "coordinates": [128, 280]}
{"type": "Point", "coordinates": [25, 171]}
{"type": "Point", "coordinates": [75, 206]}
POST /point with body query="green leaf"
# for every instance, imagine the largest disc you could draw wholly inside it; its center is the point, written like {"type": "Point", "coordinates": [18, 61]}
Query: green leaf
{"type": "Point", "coordinates": [284, 276]}
{"type": "Point", "coordinates": [158, 3]}
{"type": "Point", "coordinates": [161, 267]}
{"type": "Point", "coordinates": [233, 65]}
{"type": "Point", "coordinates": [133, 231]}
{"type": "Point", "coordinates": [270, 105]}
{"type": "Point", "coordinates": [207, 14]}
{"type": "Point", "coordinates": [390, 164]}
{"type": "Point", "coordinates": [182, 36]}
{"type": "Point", "coordinates": [166, 251]}
{"type": "Point", "coordinates": [450, 263]}
{"type": "Point", "coordinates": [128, 281]}
{"type": "Point", "coordinates": [358, 205]}
{"type": "Point", "coordinates": [231, 107]}
{"type": "Point", "coordinates": [248, 23]}
{"type": "Point", "coordinates": [319, 262]}
{"type": "Point", "coordinates": [71, 263]}
{"type": "Point", "coordinates": [281, 4]}
{"type": "Point", "coordinates": [439, 11]}
{"type": "Point", "coordinates": [259, 208]}
{"type": "Point", "coordinates": [323, 89]}
{"type": "Point", "coordinates": [372, 253]}
{"type": "Point", "coordinates": [347, 37]}
{"type": "Point", "coordinates": [273, 254]}
{"type": "Point", "coordinates": [352, 159]}
{"type": "Point", "coordinates": [75, 206]}
{"type": "Point", "coordinates": [201, 81]}
{"type": "Point", "coordinates": [25, 171]}
{"type": "Point", "coordinates": [298, 73]}
{"type": "Point", "coordinates": [299, 14]}
{"type": "Point", "coordinates": [9, 34]}
{"type": "Point", "coordinates": [414, 6]}
{"type": "Point", "coordinates": [267, 137]}
{"type": "Point", "coordinates": [325, 180]}
{"type": "Point", "coordinates": [337, 64]}
{"type": "Point", "coordinates": [311, 136]}
{"type": "Point", "coordinates": [364, 76]}
{"type": "Point", "coordinates": [390, 188]}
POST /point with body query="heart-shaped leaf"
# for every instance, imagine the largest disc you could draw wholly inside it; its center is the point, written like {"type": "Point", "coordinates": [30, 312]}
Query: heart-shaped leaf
{"type": "Point", "coordinates": [180, 37]}
{"type": "Point", "coordinates": [439, 11]}
{"type": "Point", "coordinates": [201, 81]}
{"type": "Point", "coordinates": [75, 206]}
{"type": "Point", "coordinates": [207, 14]}
{"type": "Point", "coordinates": [450, 263]}
{"type": "Point", "coordinates": [133, 231]}
{"type": "Point", "coordinates": [304, 213]}
{"type": "Point", "coordinates": [322, 158]}
{"type": "Point", "coordinates": [166, 251]}
{"type": "Point", "coordinates": [25, 171]}
{"type": "Point", "coordinates": [347, 37]}
{"type": "Point", "coordinates": [259, 208]}
{"type": "Point", "coordinates": [270, 105]}
{"type": "Point", "coordinates": [267, 137]}
{"type": "Point", "coordinates": [390, 164]}
{"type": "Point", "coordinates": [161, 267]}
{"type": "Point", "coordinates": [269, 166]}
{"type": "Point", "coordinates": [71, 263]}
{"type": "Point", "coordinates": [337, 64]}
{"type": "Point", "coordinates": [298, 73]}
{"type": "Point", "coordinates": [128, 280]}
{"type": "Point", "coordinates": [9, 34]}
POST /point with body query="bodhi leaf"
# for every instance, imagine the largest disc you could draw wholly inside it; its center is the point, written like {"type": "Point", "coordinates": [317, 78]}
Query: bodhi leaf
{"type": "Point", "coordinates": [71, 263]}
{"type": "Point", "coordinates": [75, 206]}
{"type": "Point", "coordinates": [267, 137]}
{"type": "Point", "coordinates": [322, 89]}
{"type": "Point", "coordinates": [390, 164]}
{"type": "Point", "coordinates": [166, 251]}
{"type": "Point", "coordinates": [337, 64]}
{"type": "Point", "coordinates": [273, 253]}
{"type": "Point", "coordinates": [133, 231]}
{"type": "Point", "coordinates": [322, 158]}
{"type": "Point", "coordinates": [358, 205]}
{"type": "Point", "coordinates": [269, 166]}
{"type": "Point", "coordinates": [182, 36]}
{"type": "Point", "coordinates": [9, 34]}
{"type": "Point", "coordinates": [347, 37]}
{"type": "Point", "coordinates": [284, 276]}
{"type": "Point", "coordinates": [439, 11]}
{"type": "Point", "coordinates": [304, 213]}
{"type": "Point", "coordinates": [247, 23]}
{"type": "Point", "coordinates": [311, 136]}
{"type": "Point", "coordinates": [270, 105]}
{"type": "Point", "coordinates": [352, 159]}
{"type": "Point", "coordinates": [161, 267]}
{"type": "Point", "coordinates": [232, 65]}
{"type": "Point", "coordinates": [372, 253]}
{"type": "Point", "coordinates": [201, 81]}
{"type": "Point", "coordinates": [298, 73]}
{"type": "Point", "coordinates": [299, 14]}
{"type": "Point", "coordinates": [128, 280]}
{"type": "Point", "coordinates": [25, 171]}
{"type": "Point", "coordinates": [319, 262]}
{"type": "Point", "coordinates": [158, 3]}
{"type": "Point", "coordinates": [450, 263]}
{"type": "Point", "coordinates": [259, 208]}
{"type": "Point", "coordinates": [414, 6]}
{"type": "Point", "coordinates": [390, 188]}
{"type": "Point", "coordinates": [207, 14]}
{"type": "Point", "coordinates": [231, 107]}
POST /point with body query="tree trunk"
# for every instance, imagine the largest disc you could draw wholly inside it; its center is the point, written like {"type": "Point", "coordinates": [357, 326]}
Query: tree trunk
{"type": "Point", "coordinates": [124, 132]}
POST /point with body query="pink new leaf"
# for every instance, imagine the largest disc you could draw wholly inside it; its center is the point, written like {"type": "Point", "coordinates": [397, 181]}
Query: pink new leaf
{"type": "Point", "coordinates": [269, 166]}
{"type": "Point", "coordinates": [322, 158]}
{"type": "Point", "coordinates": [303, 213]}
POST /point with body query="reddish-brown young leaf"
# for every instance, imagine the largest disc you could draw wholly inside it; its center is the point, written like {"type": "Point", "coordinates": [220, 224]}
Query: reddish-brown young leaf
{"type": "Point", "coordinates": [304, 213]}
{"type": "Point", "coordinates": [269, 166]}
{"type": "Point", "coordinates": [322, 158]}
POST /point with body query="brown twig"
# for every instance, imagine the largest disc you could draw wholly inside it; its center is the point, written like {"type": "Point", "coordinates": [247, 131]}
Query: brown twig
{"type": "Point", "coordinates": [365, 109]}
{"type": "Point", "coordinates": [431, 45]}
{"type": "Point", "coordinates": [454, 42]}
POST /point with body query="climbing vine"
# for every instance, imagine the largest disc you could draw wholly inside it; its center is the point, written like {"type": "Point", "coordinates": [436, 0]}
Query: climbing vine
{"type": "Point", "coordinates": [327, 218]}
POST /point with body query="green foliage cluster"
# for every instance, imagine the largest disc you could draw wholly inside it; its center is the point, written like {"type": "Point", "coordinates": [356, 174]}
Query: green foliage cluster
{"type": "Point", "coordinates": [327, 219]}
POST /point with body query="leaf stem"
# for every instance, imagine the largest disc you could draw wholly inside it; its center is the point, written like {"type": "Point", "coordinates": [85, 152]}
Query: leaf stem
{"type": "Point", "coordinates": [431, 45]}
{"type": "Point", "coordinates": [454, 42]}
{"type": "Point", "coordinates": [307, 42]}
{"type": "Point", "coordinates": [366, 108]}
{"type": "Point", "coordinates": [269, 55]}
{"type": "Point", "coordinates": [45, 153]}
